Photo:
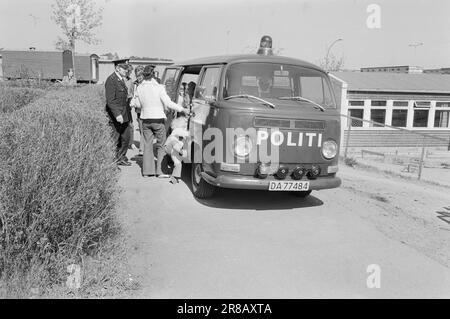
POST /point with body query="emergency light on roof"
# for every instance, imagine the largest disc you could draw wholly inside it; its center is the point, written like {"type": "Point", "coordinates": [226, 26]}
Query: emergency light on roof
{"type": "Point", "coordinates": [265, 46]}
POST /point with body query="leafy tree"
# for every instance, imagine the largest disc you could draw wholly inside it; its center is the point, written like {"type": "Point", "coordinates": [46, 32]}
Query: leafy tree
{"type": "Point", "coordinates": [111, 56]}
{"type": "Point", "coordinates": [331, 63]}
{"type": "Point", "coordinates": [77, 19]}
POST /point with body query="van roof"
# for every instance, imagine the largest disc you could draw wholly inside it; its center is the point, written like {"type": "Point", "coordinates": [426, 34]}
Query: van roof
{"type": "Point", "coordinates": [225, 59]}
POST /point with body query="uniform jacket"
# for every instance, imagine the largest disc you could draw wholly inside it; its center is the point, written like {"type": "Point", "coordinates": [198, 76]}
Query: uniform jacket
{"type": "Point", "coordinates": [117, 98]}
{"type": "Point", "coordinates": [151, 97]}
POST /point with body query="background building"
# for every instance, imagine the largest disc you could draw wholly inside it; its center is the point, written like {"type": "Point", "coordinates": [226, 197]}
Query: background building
{"type": "Point", "coordinates": [106, 66]}
{"type": "Point", "coordinates": [48, 65]}
{"type": "Point", "coordinates": [438, 71]}
{"type": "Point", "coordinates": [418, 102]}
{"type": "Point", "coordinates": [1, 68]}
{"type": "Point", "coordinates": [394, 69]}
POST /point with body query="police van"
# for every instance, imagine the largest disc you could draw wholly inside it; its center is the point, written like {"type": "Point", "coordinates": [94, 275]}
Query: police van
{"type": "Point", "coordinates": [259, 121]}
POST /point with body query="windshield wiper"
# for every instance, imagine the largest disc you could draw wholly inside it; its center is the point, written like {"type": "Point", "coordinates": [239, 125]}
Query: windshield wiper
{"type": "Point", "coordinates": [301, 98]}
{"type": "Point", "coordinates": [248, 96]}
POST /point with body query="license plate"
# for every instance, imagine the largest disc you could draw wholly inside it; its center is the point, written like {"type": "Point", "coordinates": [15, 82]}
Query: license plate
{"type": "Point", "coordinates": [288, 186]}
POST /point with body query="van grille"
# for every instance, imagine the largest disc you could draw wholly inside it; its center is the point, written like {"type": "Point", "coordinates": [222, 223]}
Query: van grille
{"type": "Point", "coordinates": [290, 124]}
{"type": "Point", "coordinates": [265, 122]}
{"type": "Point", "coordinates": [310, 125]}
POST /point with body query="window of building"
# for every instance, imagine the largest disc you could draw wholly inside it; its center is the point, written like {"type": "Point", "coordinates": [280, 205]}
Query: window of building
{"type": "Point", "coordinates": [356, 113]}
{"type": "Point", "coordinates": [355, 103]}
{"type": "Point", "coordinates": [378, 103]}
{"type": "Point", "coordinates": [378, 116]}
{"type": "Point", "coordinates": [400, 103]}
{"type": "Point", "coordinates": [399, 118]}
{"type": "Point", "coordinates": [420, 118]}
{"type": "Point", "coordinates": [442, 104]}
{"type": "Point", "coordinates": [422, 104]}
{"type": "Point", "coordinates": [441, 118]}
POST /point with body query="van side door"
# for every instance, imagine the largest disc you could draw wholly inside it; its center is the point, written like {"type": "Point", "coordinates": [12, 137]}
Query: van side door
{"type": "Point", "coordinates": [206, 93]}
{"type": "Point", "coordinates": [203, 103]}
{"type": "Point", "coordinates": [170, 79]}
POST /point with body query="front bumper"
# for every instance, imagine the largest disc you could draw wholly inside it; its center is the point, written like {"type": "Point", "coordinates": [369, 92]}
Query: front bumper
{"type": "Point", "coordinates": [249, 182]}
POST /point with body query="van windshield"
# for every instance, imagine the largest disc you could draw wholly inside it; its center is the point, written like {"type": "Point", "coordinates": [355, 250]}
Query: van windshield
{"type": "Point", "coordinates": [278, 82]}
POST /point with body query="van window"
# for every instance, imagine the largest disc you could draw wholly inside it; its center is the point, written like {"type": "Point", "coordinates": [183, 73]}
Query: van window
{"type": "Point", "coordinates": [272, 80]}
{"type": "Point", "coordinates": [169, 80]}
{"type": "Point", "coordinates": [209, 84]}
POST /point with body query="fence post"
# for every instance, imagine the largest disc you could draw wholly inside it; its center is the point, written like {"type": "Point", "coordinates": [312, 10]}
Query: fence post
{"type": "Point", "coordinates": [347, 139]}
{"type": "Point", "coordinates": [421, 159]}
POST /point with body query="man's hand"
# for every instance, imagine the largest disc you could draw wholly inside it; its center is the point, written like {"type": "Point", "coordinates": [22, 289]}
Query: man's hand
{"type": "Point", "coordinates": [185, 111]}
{"type": "Point", "coordinates": [119, 119]}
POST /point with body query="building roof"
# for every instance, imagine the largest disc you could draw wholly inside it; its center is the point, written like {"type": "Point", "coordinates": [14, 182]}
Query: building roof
{"type": "Point", "coordinates": [391, 66]}
{"type": "Point", "coordinates": [395, 82]}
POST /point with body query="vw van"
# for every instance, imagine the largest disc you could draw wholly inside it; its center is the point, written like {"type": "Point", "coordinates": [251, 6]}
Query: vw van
{"type": "Point", "coordinates": [273, 120]}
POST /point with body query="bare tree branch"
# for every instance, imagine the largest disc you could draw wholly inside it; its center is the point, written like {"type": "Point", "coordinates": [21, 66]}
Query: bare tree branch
{"type": "Point", "coordinates": [332, 63]}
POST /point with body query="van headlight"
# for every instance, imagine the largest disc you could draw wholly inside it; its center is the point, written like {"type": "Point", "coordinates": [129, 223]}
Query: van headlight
{"type": "Point", "coordinates": [329, 149]}
{"type": "Point", "coordinates": [243, 146]}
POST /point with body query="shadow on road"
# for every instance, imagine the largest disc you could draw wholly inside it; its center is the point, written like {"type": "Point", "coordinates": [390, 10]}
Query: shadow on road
{"type": "Point", "coordinates": [252, 199]}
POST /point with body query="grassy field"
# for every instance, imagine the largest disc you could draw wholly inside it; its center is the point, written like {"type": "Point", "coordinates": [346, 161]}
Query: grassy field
{"type": "Point", "coordinates": [58, 190]}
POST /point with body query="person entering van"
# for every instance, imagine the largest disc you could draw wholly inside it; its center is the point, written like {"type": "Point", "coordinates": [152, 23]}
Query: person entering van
{"type": "Point", "coordinates": [151, 97]}
{"type": "Point", "coordinates": [174, 146]}
{"type": "Point", "coordinates": [190, 89]}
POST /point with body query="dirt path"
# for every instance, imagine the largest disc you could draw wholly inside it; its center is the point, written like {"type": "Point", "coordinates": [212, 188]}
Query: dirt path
{"type": "Point", "coordinates": [250, 244]}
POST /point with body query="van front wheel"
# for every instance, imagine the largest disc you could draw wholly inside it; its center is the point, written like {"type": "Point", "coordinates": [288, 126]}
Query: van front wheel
{"type": "Point", "coordinates": [200, 188]}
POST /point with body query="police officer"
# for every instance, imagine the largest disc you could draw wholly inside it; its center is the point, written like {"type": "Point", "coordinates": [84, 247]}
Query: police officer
{"type": "Point", "coordinates": [119, 111]}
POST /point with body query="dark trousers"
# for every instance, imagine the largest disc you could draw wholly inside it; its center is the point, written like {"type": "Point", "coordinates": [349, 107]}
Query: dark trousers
{"type": "Point", "coordinates": [153, 128]}
{"type": "Point", "coordinates": [121, 134]}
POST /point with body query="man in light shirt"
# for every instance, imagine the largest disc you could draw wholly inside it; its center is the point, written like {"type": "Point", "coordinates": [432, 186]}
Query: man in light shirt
{"type": "Point", "coordinates": [151, 97]}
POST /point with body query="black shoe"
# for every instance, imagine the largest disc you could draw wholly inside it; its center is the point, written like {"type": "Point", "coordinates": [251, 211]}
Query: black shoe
{"type": "Point", "coordinates": [123, 163]}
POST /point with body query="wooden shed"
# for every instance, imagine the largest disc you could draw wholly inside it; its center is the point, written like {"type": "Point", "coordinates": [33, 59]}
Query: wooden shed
{"type": "Point", "coordinates": [46, 65]}
{"type": "Point", "coordinates": [86, 67]}
{"type": "Point", "coordinates": [49, 65]}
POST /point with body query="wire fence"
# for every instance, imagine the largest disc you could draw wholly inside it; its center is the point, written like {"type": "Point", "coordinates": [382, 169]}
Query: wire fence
{"type": "Point", "coordinates": [399, 150]}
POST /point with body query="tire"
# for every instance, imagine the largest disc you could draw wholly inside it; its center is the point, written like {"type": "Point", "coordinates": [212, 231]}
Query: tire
{"type": "Point", "coordinates": [200, 188]}
{"type": "Point", "coordinates": [303, 194]}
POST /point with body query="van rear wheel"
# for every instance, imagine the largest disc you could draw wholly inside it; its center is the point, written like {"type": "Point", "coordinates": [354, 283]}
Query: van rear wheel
{"type": "Point", "coordinates": [200, 188]}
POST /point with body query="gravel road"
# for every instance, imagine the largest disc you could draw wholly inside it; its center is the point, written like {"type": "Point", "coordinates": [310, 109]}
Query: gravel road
{"type": "Point", "coordinates": [252, 244]}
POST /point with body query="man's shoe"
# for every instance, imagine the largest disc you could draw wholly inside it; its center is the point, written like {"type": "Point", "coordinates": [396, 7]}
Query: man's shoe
{"type": "Point", "coordinates": [163, 176]}
{"type": "Point", "coordinates": [147, 176]}
{"type": "Point", "coordinates": [124, 163]}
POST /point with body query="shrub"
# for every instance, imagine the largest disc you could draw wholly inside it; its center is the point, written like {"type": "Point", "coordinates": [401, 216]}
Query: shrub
{"type": "Point", "coordinates": [57, 185]}
{"type": "Point", "coordinates": [36, 84]}
{"type": "Point", "coordinates": [13, 98]}
{"type": "Point", "coordinates": [350, 161]}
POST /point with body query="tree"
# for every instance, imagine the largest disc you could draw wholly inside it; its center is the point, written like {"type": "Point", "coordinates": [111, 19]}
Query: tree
{"type": "Point", "coordinates": [331, 63]}
{"type": "Point", "coordinates": [77, 19]}
{"type": "Point", "coordinates": [111, 56]}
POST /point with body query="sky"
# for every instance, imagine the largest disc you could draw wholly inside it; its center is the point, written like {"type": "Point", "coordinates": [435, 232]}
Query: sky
{"type": "Point", "coordinates": [179, 30]}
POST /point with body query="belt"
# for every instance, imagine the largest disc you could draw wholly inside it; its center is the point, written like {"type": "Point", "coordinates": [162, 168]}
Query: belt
{"type": "Point", "coordinates": [159, 121]}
